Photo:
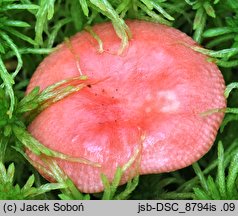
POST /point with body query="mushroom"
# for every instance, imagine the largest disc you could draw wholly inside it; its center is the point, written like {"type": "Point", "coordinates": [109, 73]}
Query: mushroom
{"type": "Point", "coordinates": [152, 97]}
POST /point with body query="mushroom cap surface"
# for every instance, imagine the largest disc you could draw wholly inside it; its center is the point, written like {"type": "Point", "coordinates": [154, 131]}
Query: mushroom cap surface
{"type": "Point", "coordinates": [149, 98]}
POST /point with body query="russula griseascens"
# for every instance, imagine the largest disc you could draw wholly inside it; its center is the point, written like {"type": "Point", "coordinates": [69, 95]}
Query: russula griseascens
{"type": "Point", "coordinates": [158, 88]}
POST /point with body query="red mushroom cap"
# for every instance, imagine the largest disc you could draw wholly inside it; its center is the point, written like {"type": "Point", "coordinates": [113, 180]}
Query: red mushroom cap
{"type": "Point", "coordinates": [157, 88]}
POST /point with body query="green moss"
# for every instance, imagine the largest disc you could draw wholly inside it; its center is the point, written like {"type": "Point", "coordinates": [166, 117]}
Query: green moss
{"type": "Point", "coordinates": [28, 31]}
